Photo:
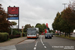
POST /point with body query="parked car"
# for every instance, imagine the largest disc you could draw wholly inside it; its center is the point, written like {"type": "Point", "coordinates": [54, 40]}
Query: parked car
{"type": "Point", "coordinates": [51, 34]}
{"type": "Point", "coordinates": [48, 35]}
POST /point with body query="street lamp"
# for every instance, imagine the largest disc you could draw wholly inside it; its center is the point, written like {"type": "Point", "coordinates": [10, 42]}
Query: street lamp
{"type": "Point", "coordinates": [22, 31]}
{"type": "Point", "coordinates": [64, 5]}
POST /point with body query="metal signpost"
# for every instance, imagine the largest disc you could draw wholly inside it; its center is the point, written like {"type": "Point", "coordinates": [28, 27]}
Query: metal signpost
{"type": "Point", "coordinates": [13, 12]}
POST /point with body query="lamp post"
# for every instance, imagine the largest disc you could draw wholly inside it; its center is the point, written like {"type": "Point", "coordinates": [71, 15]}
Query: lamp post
{"type": "Point", "coordinates": [22, 30]}
{"type": "Point", "coordinates": [64, 5]}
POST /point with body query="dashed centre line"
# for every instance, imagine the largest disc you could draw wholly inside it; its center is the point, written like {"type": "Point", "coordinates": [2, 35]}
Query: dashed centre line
{"type": "Point", "coordinates": [41, 42]}
{"type": "Point", "coordinates": [34, 48]}
{"type": "Point", "coordinates": [35, 45]}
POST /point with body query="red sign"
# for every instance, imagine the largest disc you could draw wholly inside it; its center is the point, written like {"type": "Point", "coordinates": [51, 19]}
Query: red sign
{"type": "Point", "coordinates": [13, 10]}
{"type": "Point", "coordinates": [47, 25]}
{"type": "Point", "coordinates": [45, 30]}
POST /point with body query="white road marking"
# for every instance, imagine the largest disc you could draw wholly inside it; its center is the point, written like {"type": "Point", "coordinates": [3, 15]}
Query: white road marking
{"type": "Point", "coordinates": [45, 47]}
{"type": "Point", "coordinates": [42, 42]}
{"type": "Point", "coordinates": [34, 48]}
{"type": "Point", "coordinates": [35, 45]}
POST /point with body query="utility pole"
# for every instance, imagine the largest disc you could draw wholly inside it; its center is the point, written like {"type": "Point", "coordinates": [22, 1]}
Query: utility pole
{"type": "Point", "coordinates": [64, 5]}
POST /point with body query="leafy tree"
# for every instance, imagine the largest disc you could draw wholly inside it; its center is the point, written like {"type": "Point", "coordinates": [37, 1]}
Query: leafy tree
{"type": "Point", "coordinates": [4, 24]}
{"type": "Point", "coordinates": [32, 26]}
{"type": "Point", "coordinates": [38, 25]}
{"type": "Point", "coordinates": [69, 18]}
{"type": "Point", "coordinates": [55, 24]}
{"type": "Point", "coordinates": [65, 21]}
{"type": "Point", "coordinates": [13, 23]}
{"type": "Point", "coordinates": [41, 27]}
{"type": "Point", "coordinates": [27, 26]}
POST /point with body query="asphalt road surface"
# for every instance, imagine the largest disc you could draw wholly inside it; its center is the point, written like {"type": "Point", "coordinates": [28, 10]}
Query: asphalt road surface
{"type": "Point", "coordinates": [41, 43]}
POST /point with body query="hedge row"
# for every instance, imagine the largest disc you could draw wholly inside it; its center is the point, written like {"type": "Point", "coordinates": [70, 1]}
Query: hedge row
{"type": "Point", "coordinates": [16, 36]}
{"type": "Point", "coordinates": [13, 36]}
{"type": "Point", "coordinates": [3, 36]}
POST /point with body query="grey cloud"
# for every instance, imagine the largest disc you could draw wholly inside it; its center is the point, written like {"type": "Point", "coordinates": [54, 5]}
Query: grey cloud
{"type": "Point", "coordinates": [36, 11]}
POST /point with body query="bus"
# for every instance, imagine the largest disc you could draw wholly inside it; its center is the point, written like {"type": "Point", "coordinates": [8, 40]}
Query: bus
{"type": "Point", "coordinates": [32, 32]}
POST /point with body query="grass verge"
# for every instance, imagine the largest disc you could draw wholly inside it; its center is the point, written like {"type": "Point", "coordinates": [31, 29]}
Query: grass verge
{"type": "Point", "coordinates": [67, 37]}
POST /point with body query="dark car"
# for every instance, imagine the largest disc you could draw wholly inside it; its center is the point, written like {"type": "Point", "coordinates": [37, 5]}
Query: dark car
{"type": "Point", "coordinates": [51, 34]}
{"type": "Point", "coordinates": [48, 35]}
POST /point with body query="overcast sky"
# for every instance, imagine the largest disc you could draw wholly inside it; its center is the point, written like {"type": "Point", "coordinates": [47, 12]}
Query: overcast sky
{"type": "Point", "coordinates": [36, 11]}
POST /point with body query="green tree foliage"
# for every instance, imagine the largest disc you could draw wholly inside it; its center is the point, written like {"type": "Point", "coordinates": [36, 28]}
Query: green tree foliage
{"type": "Point", "coordinates": [65, 21]}
{"type": "Point", "coordinates": [41, 27]}
{"type": "Point", "coordinates": [27, 26]}
{"type": "Point", "coordinates": [32, 26]}
{"type": "Point", "coordinates": [4, 24]}
{"type": "Point", "coordinates": [13, 23]}
{"type": "Point", "coordinates": [55, 24]}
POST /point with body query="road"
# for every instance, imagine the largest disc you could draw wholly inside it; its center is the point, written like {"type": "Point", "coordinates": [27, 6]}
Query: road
{"type": "Point", "coordinates": [41, 43]}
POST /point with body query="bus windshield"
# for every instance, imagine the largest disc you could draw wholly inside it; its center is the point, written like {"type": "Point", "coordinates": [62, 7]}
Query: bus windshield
{"type": "Point", "coordinates": [31, 32]}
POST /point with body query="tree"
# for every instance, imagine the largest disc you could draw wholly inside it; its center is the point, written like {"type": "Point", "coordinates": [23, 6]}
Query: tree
{"type": "Point", "coordinates": [32, 26]}
{"type": "Point", "coordinates": [38, 25]}
{"type": "Point", "coordinates": [4, 24]}
{"type": "Point", "coordinates": [65, 21]}
{"type": "Point", "coordinates": [41, 27]}
{"type": "Point", "coordinates": [13, 23]}
{"type": "Point", "coordinates": [27, 26]}
{"type": "Point", "coordinates": [69, 17]}
{"type": "Point", "coordinates": [55, 24]}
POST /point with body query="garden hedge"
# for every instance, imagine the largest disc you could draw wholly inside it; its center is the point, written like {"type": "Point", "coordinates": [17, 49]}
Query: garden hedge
{"type": "Point", "coordinates": [3, 36]}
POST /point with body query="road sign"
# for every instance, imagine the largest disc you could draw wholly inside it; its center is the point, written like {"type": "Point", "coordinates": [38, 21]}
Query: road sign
{"type": "Point", "coordinates": [47, 25]}
{"type": "Point", "coordinates": [13, 10]}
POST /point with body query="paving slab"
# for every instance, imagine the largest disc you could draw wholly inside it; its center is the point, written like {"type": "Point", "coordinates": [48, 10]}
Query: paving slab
{"type": "Point", "coordinates": [13, 41]}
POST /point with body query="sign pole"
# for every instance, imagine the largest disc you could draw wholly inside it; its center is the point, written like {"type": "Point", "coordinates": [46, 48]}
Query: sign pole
{"type": "Point", "coordinates": [22, 31]}
{"type": "Point", "coordinates": [18, 20]}
{"type": "Point", "coordinates": [13, 12]}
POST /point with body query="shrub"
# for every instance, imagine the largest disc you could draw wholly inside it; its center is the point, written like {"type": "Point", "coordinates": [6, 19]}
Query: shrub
{"type": "Point", "coordinates": [14, 36]}
{"type": "Point", "coordinates": [56, 33]}
{"type": "Point", "coordinates": [3, 36]}
{"type": "Point", "coordinates": [11, 36]}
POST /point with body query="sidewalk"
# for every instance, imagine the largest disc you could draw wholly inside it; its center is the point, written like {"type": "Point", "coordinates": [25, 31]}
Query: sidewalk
{"type": "Point", "coordinates": [12, 41]}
